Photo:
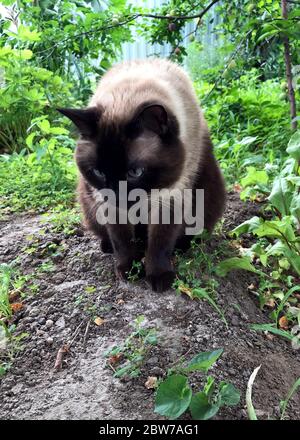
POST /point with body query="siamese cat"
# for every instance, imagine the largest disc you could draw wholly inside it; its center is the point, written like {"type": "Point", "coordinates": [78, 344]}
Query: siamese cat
{"type": "Point", "coordinates": [144, 126]}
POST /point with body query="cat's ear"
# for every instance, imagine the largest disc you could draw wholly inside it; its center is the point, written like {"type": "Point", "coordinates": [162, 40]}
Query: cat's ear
{"type": "Point", "coordinates": [86, 120]}
{"type": "Point", "coordinates": [154, 117]}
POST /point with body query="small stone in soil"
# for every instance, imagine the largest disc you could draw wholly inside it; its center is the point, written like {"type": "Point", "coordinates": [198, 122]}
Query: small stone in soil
{"type": "Point", "coordinates": [49, 341]}
{"type": "Point", "coordinates": [157, 371]}
{"type": "Point", "coordinates": [49, 323]}
{"type": "Point", "coordinates": [60, 323]}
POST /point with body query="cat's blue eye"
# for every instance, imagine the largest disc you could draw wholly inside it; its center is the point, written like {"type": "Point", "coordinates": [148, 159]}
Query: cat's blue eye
{"type": "Point", "coordinates": [98, 174]}
{"type": "Point", "coordinates": [135, 173]}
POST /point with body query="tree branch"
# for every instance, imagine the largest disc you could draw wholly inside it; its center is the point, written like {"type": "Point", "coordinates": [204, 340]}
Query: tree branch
{"type": "Point", "coordinates": [133, 18]}
{"type": "Point", "coordinates": [181, 17]}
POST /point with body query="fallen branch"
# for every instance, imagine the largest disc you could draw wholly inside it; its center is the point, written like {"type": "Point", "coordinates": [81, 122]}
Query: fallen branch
{"type": "Point", "coordinates": [65, 348]}
{"type": "Point", "coordinates": [86, 333]}
{"type": "Point", "coordinates": [60, 355]}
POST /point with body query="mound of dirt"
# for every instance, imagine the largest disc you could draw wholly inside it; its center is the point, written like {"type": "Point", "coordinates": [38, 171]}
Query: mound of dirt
{"type": "Point", "coordinates": [83, 285]}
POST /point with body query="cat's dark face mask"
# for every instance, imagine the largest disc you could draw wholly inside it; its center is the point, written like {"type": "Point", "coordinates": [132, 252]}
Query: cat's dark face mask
{"type": "Point", "coordinates": [144, 150]}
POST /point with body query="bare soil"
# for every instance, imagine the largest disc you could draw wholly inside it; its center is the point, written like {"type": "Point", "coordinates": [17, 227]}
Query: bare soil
{"type": "Point", "coordinates": [85, 387]}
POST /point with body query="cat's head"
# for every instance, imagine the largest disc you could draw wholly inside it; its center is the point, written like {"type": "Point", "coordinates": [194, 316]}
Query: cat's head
{"type": "Point", "coordinates": [143, 148]}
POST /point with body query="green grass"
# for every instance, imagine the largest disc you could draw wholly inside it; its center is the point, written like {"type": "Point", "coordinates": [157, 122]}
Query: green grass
{"type": "Point", "coordinates": [63, 219]}
{"type": "Point", "coordinates": [126, 359]}
{"type": "Point", "coordinates": [27, 184]}
{"type": "Point", "coordinates": [196, 275]}
{"type": "Point", "coordinates": [11, 282]}
{"type": "Point", "coordinates": [5, 282]}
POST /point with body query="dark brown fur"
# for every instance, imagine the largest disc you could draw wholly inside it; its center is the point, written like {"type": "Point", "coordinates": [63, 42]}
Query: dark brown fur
{"type": "Point", "coordinates": [147, 136]}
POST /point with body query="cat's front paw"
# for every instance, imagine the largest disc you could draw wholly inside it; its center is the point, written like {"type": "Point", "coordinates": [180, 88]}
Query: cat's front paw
{"type": "Point", "coordinates": [122, 270]}
{"type": "Point", "coordinates": [161, 282]}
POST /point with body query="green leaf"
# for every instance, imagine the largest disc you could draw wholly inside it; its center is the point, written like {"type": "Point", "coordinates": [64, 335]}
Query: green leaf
{"type": "Point", "coordinates": [201, 293]}
{"type": "Point", "coordinates": [235, 263]}
{"type": "Point", "coordinates": [29, 140]}
{"type": "Point", "coordinates": [294, 259]}
{"type": "Point", "coordinates": [25, 34]}
{"type": "Point", "coordinates": [272, 329]}
{"type": "Point", "coordinates": [295, 206]}
{"type": "Point", "coordinates": [279, 248]}
{"type": "Point", "coordinates": [284, 403]}
{"type": "Point", "coordinates": [254, 176]}
{"type": "Point", "coordinates": [247, 226]}
{"type": "Point", "coordinates": [281, 195]}
{"type": "Point", "coordinates": [58, 130]}
{"type": "Point", "coordinates": [201, 408]}
{"type": "Point", "coordinates": [248, 140]}
{"type": "Point", "coordinates": [228, 394]}
{"type": "Point", "coordinates": [173, 396]}
{"type": "Point", "coordinates": [203, 361]}
{"type": "Point", "coordinates": [293, 148]}
{"type": "Point", "coordinates": [123, 370]}
{"type": "Point", "coordinates": [209, 387]}
{"type": "Point", "coordinates": [277, 229]}
{"type": "Point", "coordinates": [44, 126]}
{"type": "Point", "coordinates": [288, 169]}
{"type": "Point", "coordinates": [25, 54]}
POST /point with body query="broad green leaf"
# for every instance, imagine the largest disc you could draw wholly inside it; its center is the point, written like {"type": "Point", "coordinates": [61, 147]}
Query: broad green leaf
{"type": "Point", "coordinates": [25, 34]}
{"type": "Point", "coordinates": [259, 159]}
{"type": "Point", "coordinates": [40, 152]}
{"type": "Point", "coordinates": [288, 169]}
{"type": "Point", "coordinates": [34, 95]}
{"type": "Point", "coordinates": [264, 259]}
{"type": "Point", "coordinates": [295, 180]}
{"type": "Point", "coordinates": [295, 206]}
{"type": "Point", "coordinates": [279, 248]}
{"type": "Point", "coordinates": [281, 195]}
{"type": "Point", "coordinates": [25, 54]}
{"type": "Point", "coordinates": [58, 130]}
{"type": "Point", "coordinates": [201, 408]}
{"type": "Point", "coordinates": [248, 140]}
{"type": "Point", "coordinates": [228, 394]}
{"type": "Point", "coordinates": [293, 148]}
{"type": "Point", "coordinates": [173, 396]}
{"type": "Point", "coordinates": [294, 259]}
{"type": "Point", "coordinates": [203, 361]}
{"type": "Point", "coordinates": [29, 140]}
{"type": "Point", "coordinates": [44, 126]}
{"type": "Point", "coordinates": [277, 229]}
{"type": "Point", "coordinates": [235, 263]}
{"type": "Point", "coordinates": [254, 176]}
{"type": "Point", "coordinates": [247, 226]}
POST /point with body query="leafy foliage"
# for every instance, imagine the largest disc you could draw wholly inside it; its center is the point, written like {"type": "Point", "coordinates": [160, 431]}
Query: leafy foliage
{"type": "Point", "coordinates": [278, 244]}
{"type": "Point", "coordinates": [127, 358]}
{"type": "Point", "coordinates": [174, 394]}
